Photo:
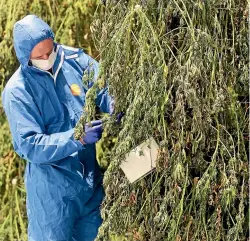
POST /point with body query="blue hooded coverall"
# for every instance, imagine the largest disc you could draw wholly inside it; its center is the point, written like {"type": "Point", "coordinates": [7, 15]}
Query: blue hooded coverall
{"type": "Point", "coordinates": [62, 177]}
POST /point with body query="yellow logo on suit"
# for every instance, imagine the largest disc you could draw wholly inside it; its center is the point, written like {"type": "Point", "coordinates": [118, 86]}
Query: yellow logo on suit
{"type": "Point", "coordinates": [75, 89]}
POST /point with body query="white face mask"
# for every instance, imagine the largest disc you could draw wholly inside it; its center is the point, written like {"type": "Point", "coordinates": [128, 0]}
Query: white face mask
{"type": "Point", "coordinates": [45, 64]}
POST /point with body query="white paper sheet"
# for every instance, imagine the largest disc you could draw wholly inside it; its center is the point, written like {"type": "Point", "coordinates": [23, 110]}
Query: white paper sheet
{"type": "Point", "coordinates": [141, 160]}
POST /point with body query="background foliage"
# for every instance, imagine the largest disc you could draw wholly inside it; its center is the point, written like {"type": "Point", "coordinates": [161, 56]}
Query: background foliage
{"type": "Point", "coordinates": [70, 20]}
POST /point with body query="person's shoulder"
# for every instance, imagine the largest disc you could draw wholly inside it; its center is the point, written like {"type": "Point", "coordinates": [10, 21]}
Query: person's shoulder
{"type": "Point", "coordinates": [17, 80]}
{"type": "Point", "coordinates": [14, 86]}
{"type": "Point", "coordinates": [78, 55]}
{"type": "Point", "coordinates": [71, 52]}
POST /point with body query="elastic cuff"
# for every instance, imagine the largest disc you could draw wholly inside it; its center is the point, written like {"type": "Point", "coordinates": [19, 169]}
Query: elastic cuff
{"type": "Point", "coordinates": [80, 144]}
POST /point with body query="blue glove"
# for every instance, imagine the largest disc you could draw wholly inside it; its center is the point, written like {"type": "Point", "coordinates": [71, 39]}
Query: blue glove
{"type": "Point", "coordinates": [119, 117]}
{"type": "Point", "coordinates": [93, 132]}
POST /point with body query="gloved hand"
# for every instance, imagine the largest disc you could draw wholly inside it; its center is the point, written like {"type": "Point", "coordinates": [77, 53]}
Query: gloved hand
{"type": "Point", "coordinates": [93, 132]}
{"type": "Point", "coordinates": [119, 117]}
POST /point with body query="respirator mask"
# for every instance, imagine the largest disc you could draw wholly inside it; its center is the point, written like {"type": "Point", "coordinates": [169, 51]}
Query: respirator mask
{"type": "Point", "coordinates": [45, 64]}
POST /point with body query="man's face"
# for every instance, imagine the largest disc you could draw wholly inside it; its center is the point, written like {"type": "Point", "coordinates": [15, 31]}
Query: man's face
{"type": "Point", "coordinates": [42, 50]}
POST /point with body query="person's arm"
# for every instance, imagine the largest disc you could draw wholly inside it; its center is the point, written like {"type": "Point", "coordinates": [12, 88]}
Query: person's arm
{"type": "Point", "coordinates": [104, 101]}
{"type": "Point", "coordinates": [28, 130]}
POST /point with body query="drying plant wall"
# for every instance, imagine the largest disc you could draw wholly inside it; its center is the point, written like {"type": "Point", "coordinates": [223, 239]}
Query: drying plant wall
{"type": "Point", "coordinates": [179, 71]}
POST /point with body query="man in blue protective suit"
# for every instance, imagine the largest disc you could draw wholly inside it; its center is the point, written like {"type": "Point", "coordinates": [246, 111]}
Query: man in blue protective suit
{"type": "Point", "coordinates": [43, 101]}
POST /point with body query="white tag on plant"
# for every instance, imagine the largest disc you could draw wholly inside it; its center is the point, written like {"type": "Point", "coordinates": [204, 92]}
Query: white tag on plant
{"type": "Point", "coordinates": [140, 161]}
